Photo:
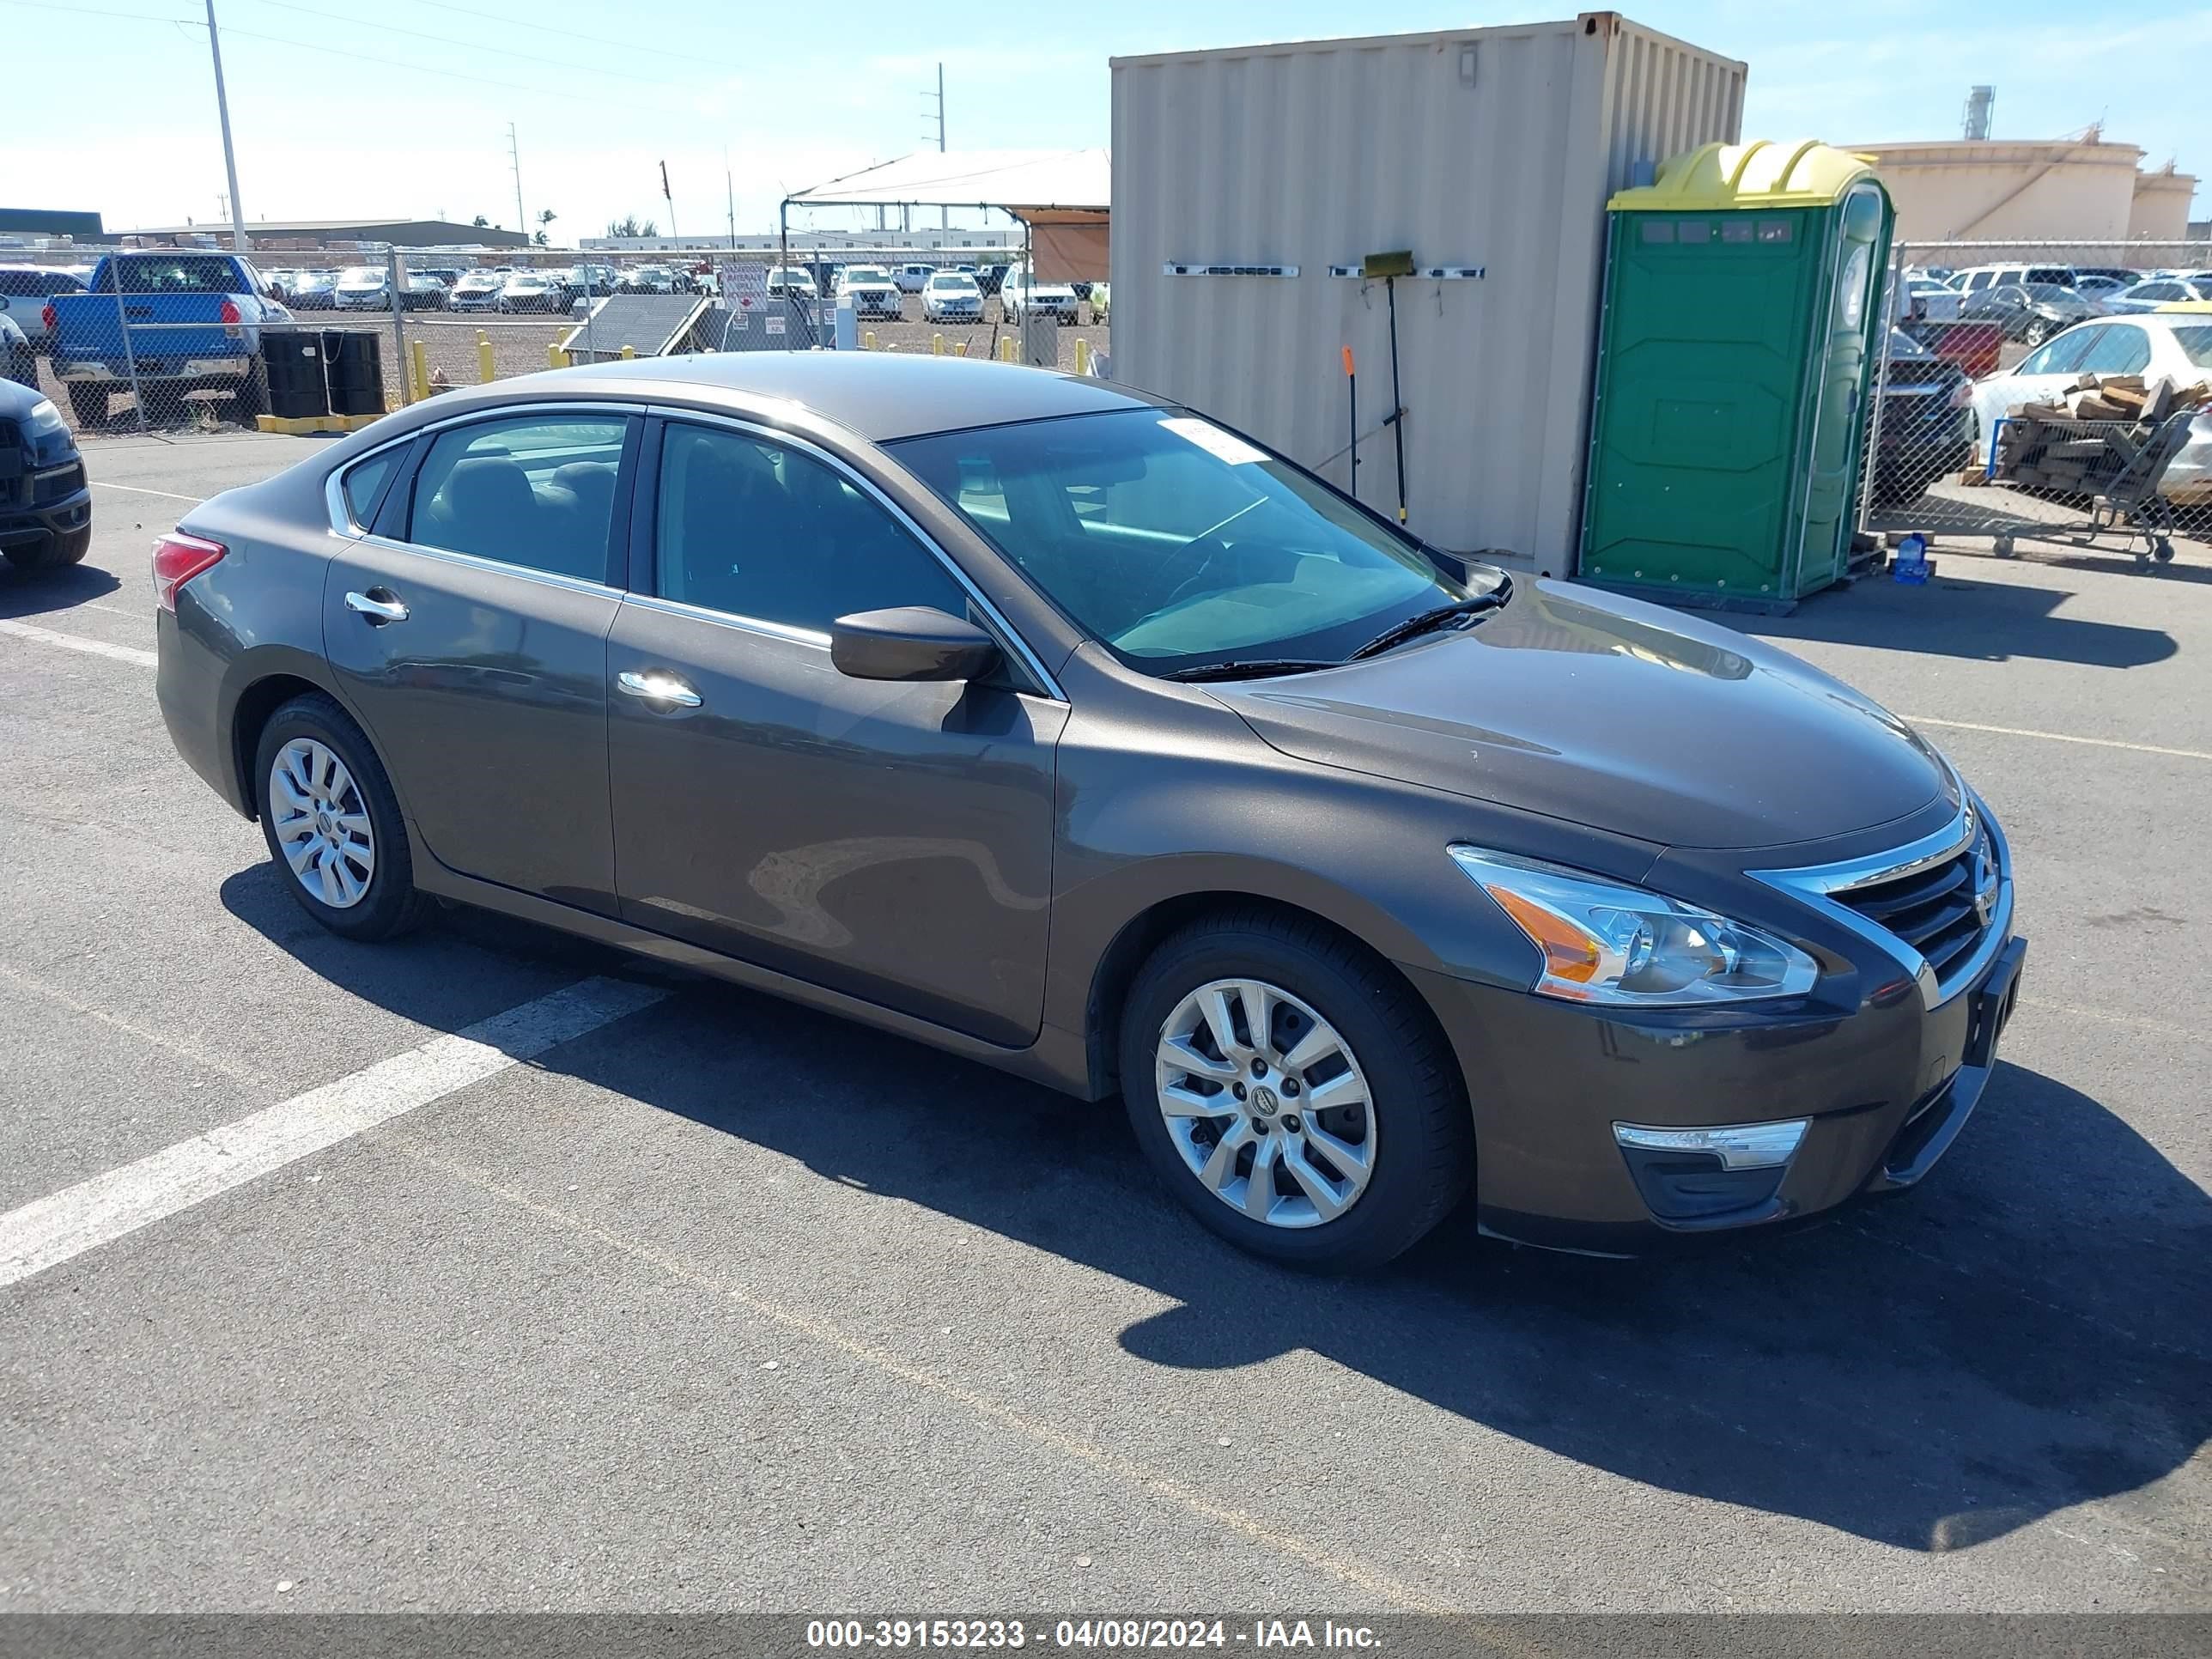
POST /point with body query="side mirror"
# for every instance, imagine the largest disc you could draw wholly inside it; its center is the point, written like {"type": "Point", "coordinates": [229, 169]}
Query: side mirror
{"type": "Point", "coordinates": [911, 642]}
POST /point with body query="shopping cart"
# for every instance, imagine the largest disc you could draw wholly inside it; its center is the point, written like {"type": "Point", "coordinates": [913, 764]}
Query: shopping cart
{"type": "Point", "coordinates": [2119, 465]}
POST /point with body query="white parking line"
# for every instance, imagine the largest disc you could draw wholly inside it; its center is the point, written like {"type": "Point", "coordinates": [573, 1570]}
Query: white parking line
{"type": "Point", "coordinates": [140, 489]}
{"type": "Point", "coordinates": [2059, 737]}
{"type": "Point", "coordinates": [52, 1230]}
{"type": "Point", "coordinates": [23, 631]}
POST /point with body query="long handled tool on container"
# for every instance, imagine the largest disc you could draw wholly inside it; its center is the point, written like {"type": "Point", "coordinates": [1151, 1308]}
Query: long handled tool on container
{"type": "Point", "coordinates": [1351, 389]}
{"type": "Point", "coordinates": [1391, 267]}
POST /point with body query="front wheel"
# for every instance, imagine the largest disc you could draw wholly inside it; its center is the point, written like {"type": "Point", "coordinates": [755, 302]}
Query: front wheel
{"type": "Point", "coordinates": [333, 824]}
{"type": "Point", "coordinates": [2038, 332]}
{"type": "Point", "coordinates": [1292, 1093]}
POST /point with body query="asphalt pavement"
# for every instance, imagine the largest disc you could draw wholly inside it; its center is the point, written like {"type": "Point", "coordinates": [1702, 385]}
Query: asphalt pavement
{"type": "Point", "coordinates": [717, 1303]}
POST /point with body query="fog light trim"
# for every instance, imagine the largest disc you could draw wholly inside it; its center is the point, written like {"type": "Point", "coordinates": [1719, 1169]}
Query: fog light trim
{"type": "Point", "coordinates": [1738, 1146]}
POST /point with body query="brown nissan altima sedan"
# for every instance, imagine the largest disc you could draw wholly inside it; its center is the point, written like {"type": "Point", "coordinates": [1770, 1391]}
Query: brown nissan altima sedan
{"type": "Point", "coordinates": [1065, 729]}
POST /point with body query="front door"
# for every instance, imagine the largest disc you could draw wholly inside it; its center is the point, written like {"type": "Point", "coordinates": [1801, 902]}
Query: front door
{"type": "Point", "coordinates": [1840, 386]}
{"type": "Point", "coordinates": [892, 841]}
{"type": "Point", "coordinates": [470, 640]}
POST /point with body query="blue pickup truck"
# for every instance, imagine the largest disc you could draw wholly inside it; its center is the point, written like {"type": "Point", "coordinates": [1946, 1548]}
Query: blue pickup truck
{"type": "Point", "coordinates": [193, 321]}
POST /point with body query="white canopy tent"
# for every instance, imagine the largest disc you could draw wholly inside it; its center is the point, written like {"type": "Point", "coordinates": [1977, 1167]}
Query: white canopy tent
{"type": "Point", "coordinates": [1066, 192]}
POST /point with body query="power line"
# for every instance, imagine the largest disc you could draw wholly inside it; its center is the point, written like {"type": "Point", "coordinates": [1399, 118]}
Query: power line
{"type": "Point", "coordinates": [466, 46]}
{"type": "Point", "coordinates": [547, 28]}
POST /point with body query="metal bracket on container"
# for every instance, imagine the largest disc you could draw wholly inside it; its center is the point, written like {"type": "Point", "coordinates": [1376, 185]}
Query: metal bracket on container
{"type": "Point", "coordinates": [1431, 273]}
{"type": "Point", "coordinates": [1176, 268]}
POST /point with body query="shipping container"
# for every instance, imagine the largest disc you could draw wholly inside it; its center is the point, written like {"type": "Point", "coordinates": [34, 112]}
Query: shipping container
{"type": "Point", "coordinates": [1484, 150]}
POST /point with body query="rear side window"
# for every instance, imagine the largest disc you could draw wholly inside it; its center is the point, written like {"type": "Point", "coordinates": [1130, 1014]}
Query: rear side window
{"type": "Point", "coordinates": [364, 487]}
{"type": "Point", "coordinates": [2063, 354]}
{"type": "Point", "coordinates": [2195, 343]}
{"type": "Point", "coordinates": [538, 492]}
{"type": "Point", "coordinates": [185, 273]}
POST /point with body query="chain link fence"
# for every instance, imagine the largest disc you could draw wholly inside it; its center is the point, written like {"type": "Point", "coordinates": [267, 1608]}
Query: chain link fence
{"type": "Point", "coordinates": [126, 339]}
{"type": "Point", "coordinates": [2045, 396]}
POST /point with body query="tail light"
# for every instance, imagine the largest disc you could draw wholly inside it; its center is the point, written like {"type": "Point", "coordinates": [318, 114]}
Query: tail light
{"type": "Point", "coordinates": [46, 316]}
{"type": "Point", "coordinates": [229, 311]}
{"type": "Point", "coordinates": [177, 559]}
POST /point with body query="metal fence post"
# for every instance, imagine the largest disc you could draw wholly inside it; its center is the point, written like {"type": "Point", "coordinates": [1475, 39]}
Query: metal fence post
{"type": "Point", "coordinates": [130, 355]}
{"type": "Point", "coordinates": [399, 277]}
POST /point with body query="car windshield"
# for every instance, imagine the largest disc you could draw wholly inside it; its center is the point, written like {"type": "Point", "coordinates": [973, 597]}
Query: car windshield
{"type": "Point", "coordinates": [865, 274]}
{"type": "Point", "coordinates": [2195, 343]}
{"type": "Point", "coordinates": [1902, 344]}
{"type": "Point", "coordinates": [362, 275]}
{"type": "Point", "coordinates": [955, 284]}
{"type": "Point", "coordinates": [1179, 545]}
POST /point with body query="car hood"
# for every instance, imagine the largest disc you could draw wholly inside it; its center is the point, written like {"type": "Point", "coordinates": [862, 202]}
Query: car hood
{"type": "Point", "coordinates": [1601, 710]}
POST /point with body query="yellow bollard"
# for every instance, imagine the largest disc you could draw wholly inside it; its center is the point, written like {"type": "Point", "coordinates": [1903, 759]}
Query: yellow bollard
{"type": "Point", "coordinates": [937, 345]}
{"type": "Point", "coordinates": [868, 341]}
{"type": "Point", "coordinates": [418, 383]}
{"type": "Point", "coordinates": [629, 352]}
{"type": "Point", "coordinates": [960, 348]}
{"type": "Point", "coordinates": [1006, 348]}
{"type": "Point", "coordinates": [556, 358]}
{"type": "Point", "coordinates": [1082, 355]}
{"type": "Point", "coordinates": [485, 374]}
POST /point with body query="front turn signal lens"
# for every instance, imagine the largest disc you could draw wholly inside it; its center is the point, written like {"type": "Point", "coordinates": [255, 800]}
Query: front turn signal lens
{"type": "Point", "coordinates": [1604, 941]}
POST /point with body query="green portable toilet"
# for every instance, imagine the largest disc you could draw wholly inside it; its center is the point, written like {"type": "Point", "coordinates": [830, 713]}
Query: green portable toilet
{"type": "Point", "coordinates": [1735, 351]}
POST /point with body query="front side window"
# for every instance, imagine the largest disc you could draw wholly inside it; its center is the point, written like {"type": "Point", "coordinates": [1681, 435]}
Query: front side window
{"type": "Point", "coordinates": [2062, 356]}
{"type": "Point", "coordinates": [758, 529]}
{"type": "Point", "coordinates": [1179, 545]}
{"type": "Point", "coordinates": [2117, 349]}
{"type": "Point", "coordinates": [538, 491]}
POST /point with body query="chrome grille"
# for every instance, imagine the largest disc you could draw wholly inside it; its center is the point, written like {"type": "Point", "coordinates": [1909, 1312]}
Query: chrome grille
{"type": "Point", "coordinates": [1943, 910]}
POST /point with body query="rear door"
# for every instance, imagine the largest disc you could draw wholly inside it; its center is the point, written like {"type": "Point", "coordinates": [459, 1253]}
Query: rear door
{"type": "Point", "coordinates": [468, 632]}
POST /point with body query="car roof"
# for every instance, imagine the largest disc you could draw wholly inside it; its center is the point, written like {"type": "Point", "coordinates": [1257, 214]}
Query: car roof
{"type": "Point", "coordinates": [878, 395]}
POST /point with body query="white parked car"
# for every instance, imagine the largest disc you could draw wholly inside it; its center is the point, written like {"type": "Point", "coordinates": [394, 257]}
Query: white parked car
{"type": "Point", "coordinates": [952, 296]}
{"type": "Point", "coordinates": [912, 278]}
{"type": "Point", "coordinates": [24, 291]}
{"type": "Point", "coordinates": [533, 290]}
{"type": "Point", "coordinates": [1975, 279]}
{"type": "Point", "coordinates": [2178, 347]}
{"type": "Point", "coordinates": [2159, 291]}
{"type": "Point", "coordinates": [363, 287]}
{"type": "Point", "coordinates": [1022, 293]}
{"type": "Point", "coordinates": [872, 291]}
{"type": "Point", "coordinates": [477, 290]}
{"type": "Point", "coordinates": [791, 280]}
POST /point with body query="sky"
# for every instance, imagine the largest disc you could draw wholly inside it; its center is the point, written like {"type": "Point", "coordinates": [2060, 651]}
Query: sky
{"type": "Point", "coordinates": [400, 108]}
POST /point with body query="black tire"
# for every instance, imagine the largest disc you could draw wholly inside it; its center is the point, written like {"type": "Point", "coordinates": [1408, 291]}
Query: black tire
{"type": "Point", "coordinates": [390, 906]}
{"type": "Point", "coordinates": [67, 547]}
{"type": "Point", "coordinates": [2038, 332]}
{"type": "Point", "coordinates": [1423, 1136]}
{"type": "Point", "coordinates": [89, 403]}
{"type": "Point", "coordinates": [251, 397]}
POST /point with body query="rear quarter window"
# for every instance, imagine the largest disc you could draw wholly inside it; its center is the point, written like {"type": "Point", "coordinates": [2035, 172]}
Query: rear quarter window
{"type": "Point", "coordinates": [363, 484]}
{"type": "Point", "coordinates": [2195, 343]}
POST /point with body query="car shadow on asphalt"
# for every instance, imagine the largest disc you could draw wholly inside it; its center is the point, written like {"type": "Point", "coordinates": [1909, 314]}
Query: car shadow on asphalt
{"type": "Point", "coordinates": [1954, 616]}
{"type": "Point", "coordinates": [2022, 1333]}
{"type": "Point", "coordinates": [43, 592]}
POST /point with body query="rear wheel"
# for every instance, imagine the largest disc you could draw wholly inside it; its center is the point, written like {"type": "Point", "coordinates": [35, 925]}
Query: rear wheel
{"type": "Point", "coordinates": [333, 824]}
{"type": "Point", "coordinates": [89, 403]}
{"type": "Point", "coordinates": [2038, 332]}
{"type": "Point", "coordinates": [1292, 1093]}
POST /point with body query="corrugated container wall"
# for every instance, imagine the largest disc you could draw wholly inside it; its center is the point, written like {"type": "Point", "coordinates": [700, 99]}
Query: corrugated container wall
{"type": "Point", "coordinates": [1491, 147]}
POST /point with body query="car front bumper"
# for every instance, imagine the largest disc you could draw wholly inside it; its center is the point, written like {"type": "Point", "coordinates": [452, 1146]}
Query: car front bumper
{"type": "Point", "coordinates": [30, 521]}
{"type": "Point", "coordinates": [1620, 1131]}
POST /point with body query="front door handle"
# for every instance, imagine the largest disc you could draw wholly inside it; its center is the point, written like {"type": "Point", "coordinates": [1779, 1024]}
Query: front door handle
{"type": "Point", "coordinates": [656, 687]}
{"type": "Point", "coordinates": [376, 611]}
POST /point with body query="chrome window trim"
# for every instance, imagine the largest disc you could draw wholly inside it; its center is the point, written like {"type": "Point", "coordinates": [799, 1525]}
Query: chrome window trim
{"type": "Point", "coordinates": [1818, 886]}
{"type": "Point", "coordinates": [495, 567]}
{"type": "Point", "coordinates": [334, 500]}
{"type": "Point", "coordinates": [774, 630]}
{"type": "Point", "coordinates": [905, 519]}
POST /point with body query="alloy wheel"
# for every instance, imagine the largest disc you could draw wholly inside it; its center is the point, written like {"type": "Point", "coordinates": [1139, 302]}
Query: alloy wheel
{"type": "Point", "coordinates": [1266, 1102]}
{"type": "Point", "coordinates": [321, 824]}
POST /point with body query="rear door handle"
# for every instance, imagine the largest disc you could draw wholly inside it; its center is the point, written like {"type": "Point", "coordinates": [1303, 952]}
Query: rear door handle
{"type": "Point", "coordinates": [655, 687]}
{"type": "Point", "coordinates": [377, 611]}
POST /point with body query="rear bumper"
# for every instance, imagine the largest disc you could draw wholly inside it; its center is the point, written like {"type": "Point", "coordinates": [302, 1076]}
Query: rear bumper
{"type": "Point", "coordinates": [1559, 1090]}
{"type": "Point", "coordinates": [188, 683]}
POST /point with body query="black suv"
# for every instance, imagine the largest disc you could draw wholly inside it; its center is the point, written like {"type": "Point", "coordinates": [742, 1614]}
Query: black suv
{"type": "Point", "coordinates": [46, 506]}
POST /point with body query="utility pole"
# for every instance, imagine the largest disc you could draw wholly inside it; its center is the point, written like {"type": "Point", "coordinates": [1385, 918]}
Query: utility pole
{"type": "Point", "coordinates": [515, 161]}
{"type": "Point", "coordinates": [239, 243]}
{"type": "Point", "coordinates": [944, 212]}
{"type": "Point", "coordinates": [730, 183]}
{"type": "Point", "coordinates": [670, 200]}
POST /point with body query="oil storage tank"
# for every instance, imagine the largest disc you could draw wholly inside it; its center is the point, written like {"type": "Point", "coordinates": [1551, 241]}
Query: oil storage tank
{"type": "Point", "coordinates": [1252, 186]}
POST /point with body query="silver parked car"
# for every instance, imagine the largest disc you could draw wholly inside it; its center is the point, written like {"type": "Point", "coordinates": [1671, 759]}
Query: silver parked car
{"type": "Point", "coordinates": [24, 291]}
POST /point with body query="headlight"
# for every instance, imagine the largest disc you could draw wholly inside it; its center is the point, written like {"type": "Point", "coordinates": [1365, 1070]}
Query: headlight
{"type": "Point", "coordinates": [43, 418]}
{"type": "Point", "coordinates": [1604, 942]}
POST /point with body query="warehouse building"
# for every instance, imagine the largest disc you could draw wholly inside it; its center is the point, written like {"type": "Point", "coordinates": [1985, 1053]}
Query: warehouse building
{"type": "Point", "coordinates": [305, 235]}
{"type": "Point", "coordinates": [2027, 189]}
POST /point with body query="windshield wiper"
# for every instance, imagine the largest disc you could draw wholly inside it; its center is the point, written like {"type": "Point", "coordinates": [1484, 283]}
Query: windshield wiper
{"type": "Point", "coordinates": [1427, 621]}
{"type": "Point", "coordinates": [1255, 668]}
